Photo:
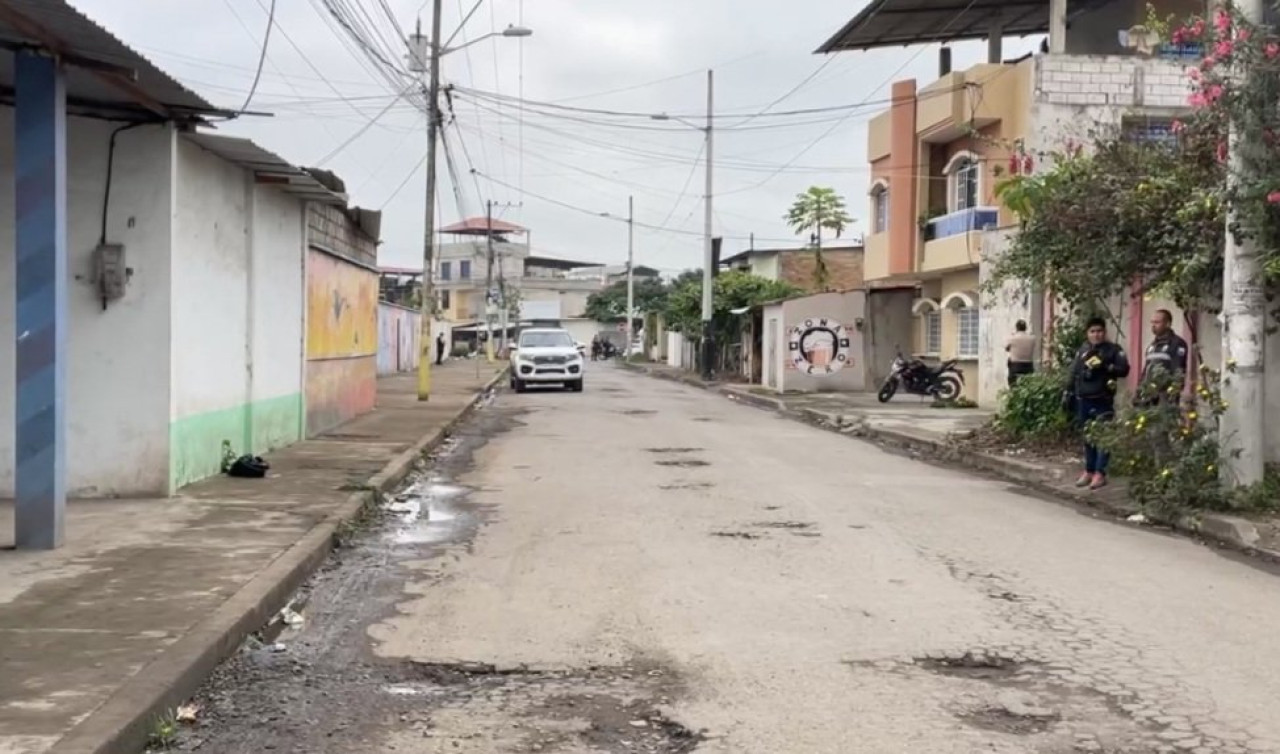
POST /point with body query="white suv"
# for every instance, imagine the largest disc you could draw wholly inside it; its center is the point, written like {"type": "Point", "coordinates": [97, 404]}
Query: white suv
{"type": "Point", "coordinates": [546, 356]}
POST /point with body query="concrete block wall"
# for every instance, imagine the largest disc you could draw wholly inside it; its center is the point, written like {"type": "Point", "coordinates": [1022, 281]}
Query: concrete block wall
{"type": "Point", "coordinates": [1101, 81]}
{"type": "Point", "coordinates": [844, 269]}
{"type": "Point", "coordinates": [330, 227]}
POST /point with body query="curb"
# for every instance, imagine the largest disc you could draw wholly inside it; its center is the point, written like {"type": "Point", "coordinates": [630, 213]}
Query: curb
{"type": "Point", "coordinates": [1230, 531]}
{"type": "Point", "coordinates": [122, 724]}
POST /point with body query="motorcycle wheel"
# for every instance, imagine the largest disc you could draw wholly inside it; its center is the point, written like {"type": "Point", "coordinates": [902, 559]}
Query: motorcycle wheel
{"type": "Point", "coordinates": [887, 390]}
{"type": "Point", "coordinates": [948, 388]}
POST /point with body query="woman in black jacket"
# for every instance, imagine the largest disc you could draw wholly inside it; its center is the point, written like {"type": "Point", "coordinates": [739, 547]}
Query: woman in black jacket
{"type": "Point", "coordinates": [1095, 374]}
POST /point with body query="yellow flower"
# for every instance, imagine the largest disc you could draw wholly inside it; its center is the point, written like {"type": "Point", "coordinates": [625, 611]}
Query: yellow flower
{"type": "Point", "coordinates": [1211, 468]}
{"type": "Point", "coordinates": [1231, 363]}
{"type": "Point", "coordinates": [1192, 415]}
{"type": "Point", "coordinates": [1223, 405]}
{"type": "Point", "coordinates": [1166, 474]}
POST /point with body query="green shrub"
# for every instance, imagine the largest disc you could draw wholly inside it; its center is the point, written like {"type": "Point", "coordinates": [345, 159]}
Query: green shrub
{"type": "Point", "coordinates": [1032, 410]}
{"type": "Point", "coordinates": [1169, 452]}
{"type": "Point", "coordinates": [461, 350]}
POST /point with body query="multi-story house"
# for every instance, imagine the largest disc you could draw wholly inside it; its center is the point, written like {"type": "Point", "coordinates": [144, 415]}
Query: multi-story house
{"type": "Point", "coordinates": [938, 152]}
{"type": "Point", "coordinates": [501, 258]}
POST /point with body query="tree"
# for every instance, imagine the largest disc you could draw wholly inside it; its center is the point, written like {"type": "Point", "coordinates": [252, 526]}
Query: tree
{"type": "Point", "coordinates": [610, 304]}
{"type": "Point", "coordinates": [734, 289]}
{"type": "Point", "coordinates": [815, 210]}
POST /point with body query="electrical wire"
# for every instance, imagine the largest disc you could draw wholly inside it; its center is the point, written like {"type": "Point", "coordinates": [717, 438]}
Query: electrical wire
{"type": "Point", "coordinates": [373, 121]}
{"type": "Point", "coordinates": [262, 58]}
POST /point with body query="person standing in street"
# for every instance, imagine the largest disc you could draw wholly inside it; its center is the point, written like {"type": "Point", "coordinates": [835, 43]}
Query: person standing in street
{"type": "Point", "coordinates": [1095, 374]}
{"type": "Point", "coordinates": [440, 349]}
{"type": "Point", "coordinates": [1021, 349]}
{"type": "Point", "coordinates": [1165, 362]}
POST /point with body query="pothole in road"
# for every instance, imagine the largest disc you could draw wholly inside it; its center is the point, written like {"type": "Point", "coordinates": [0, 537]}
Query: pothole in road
{"type": "Point", "coordinates": [974, 666]}
{"type": "Point", "coordinates": [683, 463]}
{"type": "Point", "coordinates": [674, 451]}
{"type": "Point", "coordinates": [695, 486]}
{"type": "Point", "coordinates": [703, 419]}
{"type": "Point", "coordinates": [736, 535]}
{"type": "Point", "coordinates": [638, 412]}
{"type": "Point", "coordinates": [1005, 721]}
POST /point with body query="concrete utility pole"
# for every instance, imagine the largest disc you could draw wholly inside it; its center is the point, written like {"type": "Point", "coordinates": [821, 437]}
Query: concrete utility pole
{"type": "Point", "coordinates": [708, 274]}
{"type": "Point", "coordinates": [631, 259]}
{"type": "Point", "coordinates": [429, 230]}
{"type": "Point", "coordinates": [488, 284]}
{"type": "Point", "coordinates": [1243, 327]}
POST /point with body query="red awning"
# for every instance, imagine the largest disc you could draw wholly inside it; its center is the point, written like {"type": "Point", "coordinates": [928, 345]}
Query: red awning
{"type": "Point", "coordinates": [480, 226]}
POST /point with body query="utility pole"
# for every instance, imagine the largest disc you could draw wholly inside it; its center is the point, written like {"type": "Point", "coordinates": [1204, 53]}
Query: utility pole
{"type": "Point", "coordinates": [708, 275]}
{"type": "Point", "coordinates": [488, 283]}
{"type": "Point", "coordinates": [1243, 324]}
{"type": "Point", "coordinates": [631, 259]}
{"type": "Point", "coordinates": [427, 314]}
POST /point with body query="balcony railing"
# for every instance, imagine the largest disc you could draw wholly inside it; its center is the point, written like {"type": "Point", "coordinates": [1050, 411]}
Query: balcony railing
{"type": "Point", "coordinates": [961, 221]}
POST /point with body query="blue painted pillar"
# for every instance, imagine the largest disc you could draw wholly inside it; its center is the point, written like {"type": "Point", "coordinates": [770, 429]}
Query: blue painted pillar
{"type": "Point", "coordinates": [40, 151]}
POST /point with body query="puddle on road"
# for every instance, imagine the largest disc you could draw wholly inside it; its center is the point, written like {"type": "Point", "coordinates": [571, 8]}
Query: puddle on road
{"type": "Point", "coordinates": [428, 512]}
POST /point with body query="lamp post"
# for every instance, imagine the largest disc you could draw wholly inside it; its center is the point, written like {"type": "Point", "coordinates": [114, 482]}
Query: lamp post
{"type": "Point", "coordinates": [424, 57]}
{"type": "Point", "coordinates": [708, 274]}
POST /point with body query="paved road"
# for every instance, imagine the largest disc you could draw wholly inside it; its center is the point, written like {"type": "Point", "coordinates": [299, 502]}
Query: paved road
{"type": "Point", "coordinates": [647, 567]}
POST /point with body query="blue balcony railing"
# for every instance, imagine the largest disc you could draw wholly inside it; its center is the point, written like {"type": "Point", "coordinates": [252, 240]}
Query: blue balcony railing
{"type": "Point", "coordinates": [961, 221]}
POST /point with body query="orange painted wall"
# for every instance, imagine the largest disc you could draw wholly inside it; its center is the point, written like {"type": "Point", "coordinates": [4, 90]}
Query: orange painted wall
{"type": "Point", "coordinates": [902, 168]}
{"type": "Point", "coordinates": [342, 341]}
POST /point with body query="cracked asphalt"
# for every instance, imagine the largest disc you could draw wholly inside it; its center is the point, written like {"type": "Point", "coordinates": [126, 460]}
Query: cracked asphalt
{"type": "Point", "coordinates": [647, 567]}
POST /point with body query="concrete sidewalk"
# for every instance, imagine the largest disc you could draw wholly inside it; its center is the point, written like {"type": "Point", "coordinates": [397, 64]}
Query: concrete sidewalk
{"type": "Point", "coordinates": [937, 434]}
{"type": "Point", "coordinates": [125, 622]}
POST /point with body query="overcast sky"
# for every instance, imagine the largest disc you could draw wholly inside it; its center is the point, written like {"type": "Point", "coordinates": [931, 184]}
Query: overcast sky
{"type": "Point", "coordinates": [638, 57]}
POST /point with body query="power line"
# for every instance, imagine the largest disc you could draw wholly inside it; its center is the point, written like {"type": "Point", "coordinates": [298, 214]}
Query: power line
{"type": "Point", "coordinates": [262, 58]}
{"type": "Point", "coordinates": [337, 150]}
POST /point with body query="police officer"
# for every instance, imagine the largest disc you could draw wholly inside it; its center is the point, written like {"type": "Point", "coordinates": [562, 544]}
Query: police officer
{"type": "Point", "coordinates": [1165, 362]}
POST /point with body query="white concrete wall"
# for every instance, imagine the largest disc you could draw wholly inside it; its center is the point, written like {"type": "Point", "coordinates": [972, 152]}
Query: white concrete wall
{"type": "Point", "coordinates": [117, 372]}
{"type": "Point", "coordinates": [237, 355]}
{"type": "Point", "coordinates": [1001, 311]}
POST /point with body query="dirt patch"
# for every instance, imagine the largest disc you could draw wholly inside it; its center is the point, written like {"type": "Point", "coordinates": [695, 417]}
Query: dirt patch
{"type": "Point", "coordinates": [736, 535]}
{"type": "Point", "coordinates": [638, 412]}
{"type": "Point", "coordinates": [684, 463]}
{"type": "Point", "coordinates": [694, 486]}
{"type": "Point", "coordinates": [703, 419]}
{"type": "Point", "coordinates": [975, 666]}
{"type": "Point", "coordinates": [662, 451]}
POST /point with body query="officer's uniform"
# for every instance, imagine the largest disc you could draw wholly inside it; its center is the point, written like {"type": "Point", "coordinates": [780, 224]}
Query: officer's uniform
{"type": "Point", "coordinates": [1164, 358]}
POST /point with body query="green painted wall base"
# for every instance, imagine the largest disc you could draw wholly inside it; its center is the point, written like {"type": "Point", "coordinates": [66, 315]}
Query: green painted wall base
{"type": "Point", "coordinates": [195, 442]}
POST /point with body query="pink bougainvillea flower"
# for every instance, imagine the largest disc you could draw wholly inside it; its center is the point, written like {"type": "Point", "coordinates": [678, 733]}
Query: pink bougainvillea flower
{"type": "Point", "coordinates": [1273, 197]}
{"type": "Point", "coordinates": [1193, 74]}
{"type": "Point", "coordinates": [1243, 35]}
{"type": "Point", "coordinates": [1222, 20]}
{"type": "Point", "coordinates": [1028, 164]}
{"type": "Point", "coordinates": [1197, 29]}
{"type": "Point", "coordinates": [1208, 62]}
{"type": "Point", "coordinates": [1222, 151]}
{"type": "Point", "coordinates": [1213, 93]}
{"type": "Point", "coordinates": [1197, 100]}
{"type": "Point", "coordinates": [1224, 48]}
{"type": "Point", "coordinates": [1271, 50]}
{"type": "Point", "coordinates": [1177, 126]}
{"type": "Point", "coordinates": [1178, 37]}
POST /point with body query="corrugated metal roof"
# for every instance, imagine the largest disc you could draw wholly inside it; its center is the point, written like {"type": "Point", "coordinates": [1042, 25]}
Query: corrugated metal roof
{"type": "Point", "coordinates": [890, 23]}
{"type": "Point", "coordinates": [268, 167]}
{"type": "Point", "coordinates": [122, 79]}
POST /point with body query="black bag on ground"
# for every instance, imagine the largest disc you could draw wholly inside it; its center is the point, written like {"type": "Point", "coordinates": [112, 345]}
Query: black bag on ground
{"type": "Point", "coordinates": [249, 467]}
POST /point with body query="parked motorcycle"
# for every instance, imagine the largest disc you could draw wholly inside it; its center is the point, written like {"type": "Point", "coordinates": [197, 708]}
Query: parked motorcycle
{"type": "Point", "coordinates": [943, 382]}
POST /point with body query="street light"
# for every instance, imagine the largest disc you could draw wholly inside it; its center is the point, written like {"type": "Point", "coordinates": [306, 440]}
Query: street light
{"type": "Point", "coordinates": [708, 335]}
{"type": "Point", "coordinates": [424, 57]}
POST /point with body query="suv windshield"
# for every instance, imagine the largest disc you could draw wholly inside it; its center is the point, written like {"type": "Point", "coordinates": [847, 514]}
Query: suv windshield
{"type": "Point", "coordinates": [546, 340]}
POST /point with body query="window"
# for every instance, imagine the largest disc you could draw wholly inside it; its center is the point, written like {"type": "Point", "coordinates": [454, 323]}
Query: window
{"type": "Point", "coordinates": [464, 270]}
{"type": "Point", "coordinates": [446, 272]}
{"type": "Point", "coordinates": [880, 208]}
{"type": "Point", "coordinates": [545, 339]}
{"type": "Point", "coordinates": [963, 176]}
{"type": "Point", "coordinates": [1151, 131]}
{"type": "Point", "coordinates": [446, 301]}
{"type": "Point", "coordinates": [967, 332]}
{"type": "Point", "coordinates": [933, 332]}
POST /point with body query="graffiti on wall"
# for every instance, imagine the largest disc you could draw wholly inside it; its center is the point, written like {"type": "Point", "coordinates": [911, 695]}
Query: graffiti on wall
{"type": "Point", "coordinates": [397, 338]}
{"type": "Point", "coordinates": [342, 341]}
{"type": "Point", "coordinates": [342, 308]}
{"type": "Point", "coordinates": [818, 346]}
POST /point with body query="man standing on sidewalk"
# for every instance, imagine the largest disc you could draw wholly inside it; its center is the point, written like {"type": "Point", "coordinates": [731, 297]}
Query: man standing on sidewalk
{"type": "Point", "coordinates": [1166, 362]}
{"type": "Point", "coordinates": [1021, 349]}
{"type": "Point", "coordinates": [440, 349]}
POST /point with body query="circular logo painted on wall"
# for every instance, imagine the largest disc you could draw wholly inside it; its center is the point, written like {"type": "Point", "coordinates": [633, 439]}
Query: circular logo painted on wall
{"type": "Point", "coordinates": [818, 346]}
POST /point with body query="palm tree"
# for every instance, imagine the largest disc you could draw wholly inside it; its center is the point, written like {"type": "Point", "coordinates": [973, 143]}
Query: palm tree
{"type": "Point", "coordinates": [817, 209]}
